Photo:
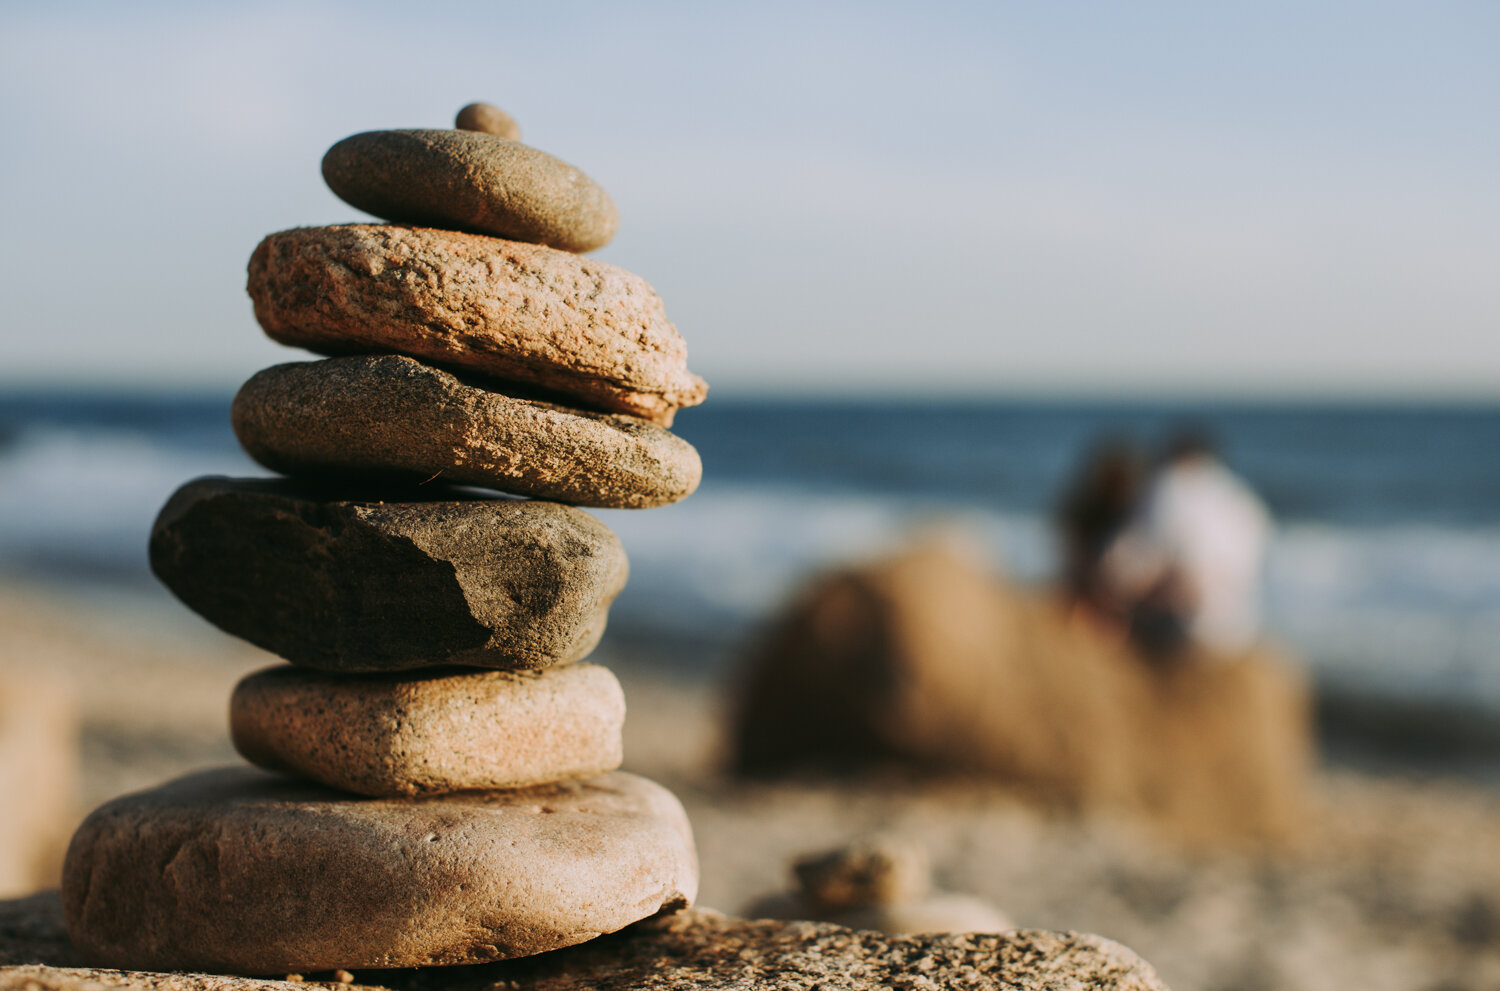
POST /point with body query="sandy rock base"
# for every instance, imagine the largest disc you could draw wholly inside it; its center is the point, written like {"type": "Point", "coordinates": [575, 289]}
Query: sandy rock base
{"type": "Point", "coordinates": [695, 950]}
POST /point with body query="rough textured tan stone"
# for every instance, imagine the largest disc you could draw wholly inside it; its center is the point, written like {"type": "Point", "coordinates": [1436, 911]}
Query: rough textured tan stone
{"type": "Point", "coordinates": [358, 584]}
{"type": "Point", "coordinates": [469, 180]}
{"type": "Point", "coordinates": [694, 950]}
{"type": "Point", "coordinates": [488, 118]}
{"type": "Point", "coordinates": [517, 312]}
{"type": "Point", "coordinates": [38, 770]}
{"type": "Point", "coordinates": [393, 418]}
{"type": "Point", "coordinates": [241, 871]}
{"type": "Point", "coordinates": [386, 735]}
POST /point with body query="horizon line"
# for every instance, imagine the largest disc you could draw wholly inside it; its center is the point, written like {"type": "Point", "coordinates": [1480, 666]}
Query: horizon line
{"type": "Point", "coordinates": [877, 393]}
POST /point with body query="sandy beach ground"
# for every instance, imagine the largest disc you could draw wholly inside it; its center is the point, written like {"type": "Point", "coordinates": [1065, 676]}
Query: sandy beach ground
{"type": "Point", "coordinates": [1396, 886]}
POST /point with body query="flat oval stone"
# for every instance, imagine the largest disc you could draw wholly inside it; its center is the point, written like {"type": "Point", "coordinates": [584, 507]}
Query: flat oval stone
{"type": "Point", "coordinates": [340, 583]}
{"type": "Point", "coordinates": [388, 735]}
{"type": "Point", "coordinates": [236, 870]}
{"type": "Point", "coordinates": [393, 418]}
{"type": "Point", "coordinates": [511, 311]}
{"type": "Point", "coordinates": [472, 181]}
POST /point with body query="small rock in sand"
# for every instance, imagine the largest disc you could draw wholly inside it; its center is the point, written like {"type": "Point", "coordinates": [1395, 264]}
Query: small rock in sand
{"type": "Point", "coordinates": [473, 181]}
{"type": "Point", "coordinates": [343, 583]}
{"type": "Point", "coordinates": [390, 417]}
{"type": "Point", "coordinates": [880, 882]}
{"type": "Point", "coordinates": [453, 731]}
{"type": "Point", "coordinates": [239, 871]}
{"type": "Point", "coordinates": [872, 870]}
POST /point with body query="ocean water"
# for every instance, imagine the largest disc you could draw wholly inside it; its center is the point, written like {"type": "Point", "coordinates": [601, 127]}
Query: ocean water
{"type": "Point", "coordinates": [1384, 574]}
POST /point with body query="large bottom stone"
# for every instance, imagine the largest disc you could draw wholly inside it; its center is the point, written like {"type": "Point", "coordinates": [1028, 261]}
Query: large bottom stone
{"type": "Point", "coordinates": [241, 871]}
{"type": "Point", "coordinates": [694, 950]}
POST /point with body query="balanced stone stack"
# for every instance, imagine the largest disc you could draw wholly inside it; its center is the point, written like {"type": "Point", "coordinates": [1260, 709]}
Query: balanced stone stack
{"type": "Point", "coordinates": [444, 786]}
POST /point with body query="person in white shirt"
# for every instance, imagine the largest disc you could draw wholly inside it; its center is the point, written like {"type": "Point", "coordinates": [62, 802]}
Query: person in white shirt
{"type": "Point", "coordinates": [1192, 557]}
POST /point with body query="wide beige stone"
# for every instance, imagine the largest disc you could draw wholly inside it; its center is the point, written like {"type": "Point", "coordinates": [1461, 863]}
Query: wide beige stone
{"type": "Point", "coordinates": [692, 950]}
{"type": "Point", "coordinates": [517, 312]}
{"type": "Point", "coordinates": [386, 735]}
{"type": "Point", "coordinates": [473, 181]}
{"type": "Point", "coordinates": [374, 581]}
{"type": "Point", "coordinates": [390, 417]}
{"type": "Point", "coordinates": [240, 871]}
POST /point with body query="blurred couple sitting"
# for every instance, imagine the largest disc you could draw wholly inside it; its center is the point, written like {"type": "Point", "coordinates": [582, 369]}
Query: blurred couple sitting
{"type": "Point", "coordinates": [1169, 556]}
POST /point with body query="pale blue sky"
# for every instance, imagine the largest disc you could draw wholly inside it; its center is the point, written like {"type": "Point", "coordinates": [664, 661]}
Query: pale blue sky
{"type": "Point", "coordinates": [980, 198]}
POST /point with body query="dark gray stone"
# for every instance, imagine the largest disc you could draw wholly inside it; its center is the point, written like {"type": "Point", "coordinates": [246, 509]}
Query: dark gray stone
{"type": "Point", "coordinates": [345, 583]}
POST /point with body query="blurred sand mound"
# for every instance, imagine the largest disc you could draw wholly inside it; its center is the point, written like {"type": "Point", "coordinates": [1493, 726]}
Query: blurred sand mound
{"type": "Point", "coordinates": [925, 659]}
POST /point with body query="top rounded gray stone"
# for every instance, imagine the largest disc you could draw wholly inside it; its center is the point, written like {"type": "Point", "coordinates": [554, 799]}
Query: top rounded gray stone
{"type": "Point", "coordinates": [471, 181]}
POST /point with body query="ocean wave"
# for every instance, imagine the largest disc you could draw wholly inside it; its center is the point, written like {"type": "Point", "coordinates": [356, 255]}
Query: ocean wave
{"type": "Point", "coordinates": [1408, 609]}
{"type": "Point", "coordinates": [80, 502]}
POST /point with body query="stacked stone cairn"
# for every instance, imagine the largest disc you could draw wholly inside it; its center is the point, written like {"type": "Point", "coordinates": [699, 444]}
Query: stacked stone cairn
{"type": "Point", "coordinates": [445, 787]}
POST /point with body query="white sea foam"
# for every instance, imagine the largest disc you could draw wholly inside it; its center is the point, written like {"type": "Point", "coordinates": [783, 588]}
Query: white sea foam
{"type": "Point", "coordinates": [82, 502]}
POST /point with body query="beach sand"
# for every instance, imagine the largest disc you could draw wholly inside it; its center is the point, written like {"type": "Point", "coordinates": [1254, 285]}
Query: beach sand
{"type": "Point", "coordinates": [1396, 885]}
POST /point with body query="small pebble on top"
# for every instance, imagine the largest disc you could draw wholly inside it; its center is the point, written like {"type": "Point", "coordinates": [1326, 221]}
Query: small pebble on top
{"type": "Point", "coordinates": [490, 119]}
